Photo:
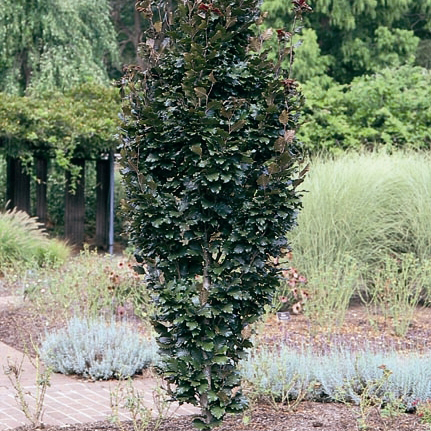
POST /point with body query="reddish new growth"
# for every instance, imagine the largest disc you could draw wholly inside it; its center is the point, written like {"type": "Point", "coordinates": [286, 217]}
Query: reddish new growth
{"type": "Point", "coordinates": [210, 7]}
{"type": "Point", "coordinates": [289, 84]}
{"type": "Point", "coordinates": [301, 6]}
{"type": "Point", "coordinates": [283, 34]}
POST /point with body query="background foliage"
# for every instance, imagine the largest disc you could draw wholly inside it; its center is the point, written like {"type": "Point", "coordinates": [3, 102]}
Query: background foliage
{"type": "Point", "coordinates": [361, 36]}
{"type": "Point", "coordinates": [54, 45]}
{"type": "Point", "coordinates": [390, 108]}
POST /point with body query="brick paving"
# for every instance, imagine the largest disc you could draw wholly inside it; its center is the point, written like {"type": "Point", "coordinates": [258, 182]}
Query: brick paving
{"type": "Point", "coordinates": [68, 400]}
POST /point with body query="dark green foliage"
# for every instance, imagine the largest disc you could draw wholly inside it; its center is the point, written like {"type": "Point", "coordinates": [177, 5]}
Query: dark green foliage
{"type": "Point", "coordinates": [209, 159]}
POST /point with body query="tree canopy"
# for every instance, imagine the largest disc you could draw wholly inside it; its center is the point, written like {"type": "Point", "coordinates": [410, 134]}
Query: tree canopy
{"type": "Point", "coordinates": [361, 36]}
{"type": "Point", "coordinates": [48, 45]}
{"type": "Point", "coordinates": [80, 122]}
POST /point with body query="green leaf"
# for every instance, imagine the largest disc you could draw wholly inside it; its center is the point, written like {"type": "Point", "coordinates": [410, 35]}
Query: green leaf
{"type": "Point", "coordinates": [201, 92]}
{"type": "Point", "coordinates": [218, 411]}
{"type": "Point", "coordinates": [214, 176]}
{"type": "Point", "coordinates": [208, 346]}
{"type": "Point", "coordinates": [196, 149]}
{"type": "Point", "coordinates": [221, 359]}
{"type": "Point", "coordinates": [192, 325]}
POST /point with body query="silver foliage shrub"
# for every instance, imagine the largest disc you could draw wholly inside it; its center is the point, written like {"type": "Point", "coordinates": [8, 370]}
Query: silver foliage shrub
{"type": "Point", "coordinates": [340, 374]}
{"type": "Point", "coordinates": [97, 349]}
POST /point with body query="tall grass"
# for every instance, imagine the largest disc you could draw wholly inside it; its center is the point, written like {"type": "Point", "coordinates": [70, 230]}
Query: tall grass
{"type": "Point", "coordinates": [23, 243]}
{"type": "Point", "coordinates": [415, 205]}
{"type": "Point", "coordinates": [367, 207]}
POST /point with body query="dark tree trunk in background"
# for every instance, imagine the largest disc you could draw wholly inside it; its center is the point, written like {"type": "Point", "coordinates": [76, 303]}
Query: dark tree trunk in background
{"type": "Point", "coordinates": [75, 207]}
{"type": "Point", "coordinates": [18, 186]}
{"type": "Point", "coordinates": [41, 188]}
{"type": "Point", "coordinates": [102, 203]}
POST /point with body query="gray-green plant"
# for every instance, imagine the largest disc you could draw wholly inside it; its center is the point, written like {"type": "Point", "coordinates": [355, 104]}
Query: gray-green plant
{"type": "Point", "coordinates": [345, 370]}
{"type": "Point", "coordinates": [210, 164]}
{"type": "Point", "coordinates": [98, 349]}
{"type": "Point", "coordinates": [30, 403]}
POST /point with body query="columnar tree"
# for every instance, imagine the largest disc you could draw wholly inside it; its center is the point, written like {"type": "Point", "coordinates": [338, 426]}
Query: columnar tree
{"type": "Point", "coordinates": [210, 165]}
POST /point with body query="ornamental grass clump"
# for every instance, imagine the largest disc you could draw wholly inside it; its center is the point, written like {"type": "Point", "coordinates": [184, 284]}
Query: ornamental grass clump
{"type": "Point", "coordinates": [23, 242]}
{"type": "Point", "coordinates": [367, 206]}
{"type": "Point", "coordinates": [98, 349]}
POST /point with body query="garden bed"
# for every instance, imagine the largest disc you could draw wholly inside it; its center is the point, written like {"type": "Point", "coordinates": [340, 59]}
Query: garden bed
{"type": "Point", "coordinates": [18, 325]}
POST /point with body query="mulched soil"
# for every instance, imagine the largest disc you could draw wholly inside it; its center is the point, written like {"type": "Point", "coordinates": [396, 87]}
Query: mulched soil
{"type": "Point", "coordinates": [20, 326]}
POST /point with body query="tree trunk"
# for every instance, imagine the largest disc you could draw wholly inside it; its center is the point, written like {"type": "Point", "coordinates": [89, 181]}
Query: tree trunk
{"type": "Point", "coordinates": [102, 203]}
{"type": "Point", "coordinates": [18, 186]}
{"type": "Point", "coordinates": [75, 206]}
{"type": "Point", "coordinates": [41, 187]}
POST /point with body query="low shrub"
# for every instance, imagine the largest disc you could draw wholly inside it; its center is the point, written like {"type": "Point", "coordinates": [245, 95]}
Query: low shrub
{"type": "Point", "coordinates": [339, 375]}
{"type": "Point", "coordinates": [97, 349]}
{"type": "Point", "coordinates": [390, 108]}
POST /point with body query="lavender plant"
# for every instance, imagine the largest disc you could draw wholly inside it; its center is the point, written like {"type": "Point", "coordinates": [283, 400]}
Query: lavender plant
{"type": "Point", "coordinates": [97, 349]}
{"type": "Point", "coordinates": [339, 373]}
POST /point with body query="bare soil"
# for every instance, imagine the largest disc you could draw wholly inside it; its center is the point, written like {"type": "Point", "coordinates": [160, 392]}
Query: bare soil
{"type": "Point", "coordinates": [22, 325]}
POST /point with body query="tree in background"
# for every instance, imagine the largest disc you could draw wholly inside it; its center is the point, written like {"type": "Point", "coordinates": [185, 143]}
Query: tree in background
{"type": "Point", "coordinates": [391, 108]}
{"type": "Point", "coordinates": [357, 37]}
{"type": "Point", "coordinates": [54, 44]}
{"type": "Point", "coordinates": [210, 165]}
{"type": "Point", "coordinates": [129, 25]}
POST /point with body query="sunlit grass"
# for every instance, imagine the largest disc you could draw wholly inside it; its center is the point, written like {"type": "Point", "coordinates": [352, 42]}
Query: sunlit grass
{"type": "Point", "coordinates": [23, 243]}
{"type": "Point", "coordinates": [364, 209]}
{"type": "Point", "coordinates": [365, 206]}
